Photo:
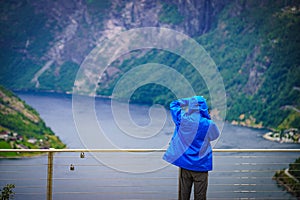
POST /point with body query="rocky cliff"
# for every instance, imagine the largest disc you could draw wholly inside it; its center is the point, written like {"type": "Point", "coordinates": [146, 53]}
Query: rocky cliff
{"type": "Point", "coordinates": [76, 27]}
{"type": "Point", "coordinates": [254, 44]}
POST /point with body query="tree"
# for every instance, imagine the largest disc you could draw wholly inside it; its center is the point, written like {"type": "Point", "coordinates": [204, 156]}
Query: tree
{"type": "Point", "coordinates": [7, 192]}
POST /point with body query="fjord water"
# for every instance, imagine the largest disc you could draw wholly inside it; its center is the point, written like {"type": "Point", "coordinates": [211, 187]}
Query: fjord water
{"type": "Point", "coordinates": [120, 176]}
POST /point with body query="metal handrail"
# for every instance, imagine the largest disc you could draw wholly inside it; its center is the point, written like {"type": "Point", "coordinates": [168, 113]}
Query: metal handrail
{"type": "Point", "coordinates": [51, 151]}
{"type": "Point", "coordinates": [141, 150]}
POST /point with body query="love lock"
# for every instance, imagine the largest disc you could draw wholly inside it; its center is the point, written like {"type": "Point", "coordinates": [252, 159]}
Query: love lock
{"type": "Point", "coordinates": [72, 168]}
{"type": "Point", "coordinates": [82, 155]}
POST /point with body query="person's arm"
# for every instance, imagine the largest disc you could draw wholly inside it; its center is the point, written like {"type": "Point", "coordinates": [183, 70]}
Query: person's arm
{"type": "Point", "coordinates": [213, 131]}
{"type": "Point", "coordinates": [176, 107]}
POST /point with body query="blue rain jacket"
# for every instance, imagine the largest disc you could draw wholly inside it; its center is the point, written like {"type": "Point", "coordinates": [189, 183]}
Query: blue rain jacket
{"type": "Point", "coordinates": [190, 146]}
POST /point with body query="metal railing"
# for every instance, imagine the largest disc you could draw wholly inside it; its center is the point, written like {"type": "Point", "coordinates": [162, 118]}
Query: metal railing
{"type": "Point", "coordinates": [237, 174]}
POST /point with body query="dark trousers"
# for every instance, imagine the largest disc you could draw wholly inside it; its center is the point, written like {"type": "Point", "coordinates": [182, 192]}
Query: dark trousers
{"type": "Point", "coordinates": [186, 180]}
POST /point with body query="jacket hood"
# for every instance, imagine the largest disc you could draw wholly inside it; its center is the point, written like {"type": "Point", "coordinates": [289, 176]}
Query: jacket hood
{"type": "Point", "coordinates": [198, 103]}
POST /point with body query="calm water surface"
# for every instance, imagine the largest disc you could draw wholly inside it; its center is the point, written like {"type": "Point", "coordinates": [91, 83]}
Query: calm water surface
{"type": "Point", "coordinates": [137, 176]}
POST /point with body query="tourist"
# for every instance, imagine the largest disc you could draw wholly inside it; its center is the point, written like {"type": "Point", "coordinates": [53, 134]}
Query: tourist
{"type": "Point", "coordinates": [190, 148]}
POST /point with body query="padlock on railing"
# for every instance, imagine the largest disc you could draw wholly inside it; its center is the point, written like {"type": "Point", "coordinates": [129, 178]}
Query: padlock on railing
{"type": "Point", "coordinates": [82, 155]}
{"type": "Point", "coordinates": [72, 167]}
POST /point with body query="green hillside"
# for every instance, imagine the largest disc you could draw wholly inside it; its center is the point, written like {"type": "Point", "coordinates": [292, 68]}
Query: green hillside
{"type": "Point", "coordinates": [256, 49]}
{"type": "Point", "coordinates": [258, 54]}
{"type": "Point", "coordinates": [255, 45]}
{"type": "Point", "coordinates": [21, 126]}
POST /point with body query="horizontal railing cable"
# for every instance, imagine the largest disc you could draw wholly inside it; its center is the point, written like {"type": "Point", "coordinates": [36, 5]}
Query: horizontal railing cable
{"type": "Point", "coordinates": [237, 174]}
{"type": "Point", "coordinates": [143, 150]}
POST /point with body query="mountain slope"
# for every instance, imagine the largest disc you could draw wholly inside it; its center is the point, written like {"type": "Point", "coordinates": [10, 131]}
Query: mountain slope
{"type": "Point", "coordinates": [255, 45]}
{"type": "Point", "coordinates": [257, 51]}
{"type": "Point", "coordinates": [21, 126]}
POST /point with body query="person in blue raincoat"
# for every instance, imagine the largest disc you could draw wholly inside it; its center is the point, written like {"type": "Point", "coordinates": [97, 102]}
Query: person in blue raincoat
{"type": "Point", "coordinates": [190, 148]}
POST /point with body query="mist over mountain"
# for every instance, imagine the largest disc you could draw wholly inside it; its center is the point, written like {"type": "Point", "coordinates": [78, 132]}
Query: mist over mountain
{"type": "Point", "coordinates": [255, 45]}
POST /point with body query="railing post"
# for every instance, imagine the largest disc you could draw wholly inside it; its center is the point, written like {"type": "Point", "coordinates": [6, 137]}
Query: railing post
{"type": "Point", "coordinates": [49, 175]}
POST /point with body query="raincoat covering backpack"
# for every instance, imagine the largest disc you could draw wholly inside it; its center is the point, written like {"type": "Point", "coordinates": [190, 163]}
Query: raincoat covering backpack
{"type": "Point", "coordinates": [190, 146]}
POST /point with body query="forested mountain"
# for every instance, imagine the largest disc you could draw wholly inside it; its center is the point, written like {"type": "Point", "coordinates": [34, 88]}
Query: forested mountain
{"type": "Point", "coordinates": [21, 127]}
{"type": "Point", "coordinates": [254, 43]}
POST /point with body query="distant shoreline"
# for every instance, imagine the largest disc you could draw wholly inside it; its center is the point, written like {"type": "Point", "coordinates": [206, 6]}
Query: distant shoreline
{"type": "Point", "coordinates": [282, 137]}
{"type": "Point", "coordinates": [68, 93]}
